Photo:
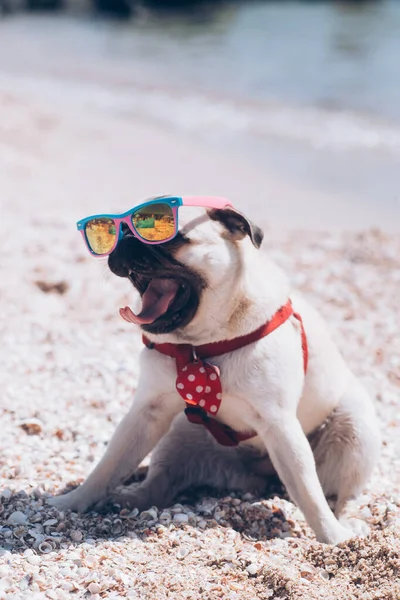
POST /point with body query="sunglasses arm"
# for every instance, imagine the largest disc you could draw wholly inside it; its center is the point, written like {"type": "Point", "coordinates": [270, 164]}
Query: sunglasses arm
{"type": "Point", "coordinates": [206, 201]}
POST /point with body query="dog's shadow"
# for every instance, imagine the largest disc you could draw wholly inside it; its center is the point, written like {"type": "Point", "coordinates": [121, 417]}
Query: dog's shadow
{"type": "Point", "coordinates": [28, 521]}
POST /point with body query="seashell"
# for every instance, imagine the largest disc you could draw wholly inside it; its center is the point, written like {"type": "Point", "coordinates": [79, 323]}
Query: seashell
{"type": "Point", "coordinates": [180, 518]}
{"type": "Point", "coordinates": [19, 532]}
{"type": "Point", "coordinates": [17, 518]}
{"type": "Point", "coordinates": [76, 536]}
{"type": "Point", "coordinates": [117, 527]}
{"type": "Point", "coordinates": [94, 588]}
{"type": "Point", "coordinates": [252, 569]}
{"type": "Point", "coordinates": [323, 574]}
{"type": "Point", "coordinates": [31, 426]}
{"type": "Point", "coordinates": [150, 514]}
{"type": "Point", "coordinates": [45, 547]}
{"type": "Point", "coordinates": [182, 552]}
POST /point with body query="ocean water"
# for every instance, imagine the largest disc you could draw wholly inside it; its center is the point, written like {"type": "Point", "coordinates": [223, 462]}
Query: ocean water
{"type": "Point", "coordinates": [310, 89]}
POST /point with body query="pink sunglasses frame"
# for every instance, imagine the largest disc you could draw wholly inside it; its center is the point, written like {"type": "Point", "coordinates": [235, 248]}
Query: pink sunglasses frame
{"type": "Point", "coordinates": [174, 202]}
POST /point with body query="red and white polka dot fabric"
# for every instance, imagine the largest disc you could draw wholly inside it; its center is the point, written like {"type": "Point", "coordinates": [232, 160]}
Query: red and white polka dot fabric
{"type": "Point", "coordinates": [199, 384]}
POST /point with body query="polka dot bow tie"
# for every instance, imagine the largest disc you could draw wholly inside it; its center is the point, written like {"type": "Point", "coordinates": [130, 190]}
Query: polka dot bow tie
{"type": "Point", "coordinates": [199, 384]}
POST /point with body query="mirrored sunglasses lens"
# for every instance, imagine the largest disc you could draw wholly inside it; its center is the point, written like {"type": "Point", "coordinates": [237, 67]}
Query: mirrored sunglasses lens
{"type": "Point", "coordinates": [155, 222]}
{"type": "Point", "coordinates": [101, 234]}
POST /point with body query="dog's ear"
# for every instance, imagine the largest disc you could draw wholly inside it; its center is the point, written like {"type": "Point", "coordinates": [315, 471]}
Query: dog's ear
{"type": "Point", "coordinates": [237, 224]}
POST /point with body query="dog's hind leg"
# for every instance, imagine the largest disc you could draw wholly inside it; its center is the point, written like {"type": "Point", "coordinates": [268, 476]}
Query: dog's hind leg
{"type": "Point", "coordinates": [187, 456]}
{"type": "Point", "coordinates": [346, 448]}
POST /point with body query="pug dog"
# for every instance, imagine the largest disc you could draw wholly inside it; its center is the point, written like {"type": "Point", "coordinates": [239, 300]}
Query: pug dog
{"type": "Point", "coordinates": [317, 430]}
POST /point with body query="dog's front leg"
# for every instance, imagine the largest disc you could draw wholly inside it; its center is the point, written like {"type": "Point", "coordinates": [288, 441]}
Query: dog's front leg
{"type": "Point", "coordinates": [139, 431]}
{"type": "Point", "coordinates": [293, 460]}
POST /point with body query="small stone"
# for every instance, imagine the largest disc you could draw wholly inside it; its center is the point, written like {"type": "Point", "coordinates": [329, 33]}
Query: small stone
{"type": "Point", "coordinates": [17, 518]}
{"type": "Point", "coordinates": [94, 588]}
{"type": "Point", "coordinates": [160, 530]}
{"type": "Point", "coordinates": [50, 522]}
{"type": "Point", "coordinates": [330, 566]}
{"type": "Point", "coordinates": [252, 569]}
{"type": "Point", "coordinates": [323, 574]}
{"type": "Point", "coordinates": [151, 513]}
{"type": "Point", "coordinates": [202, 524]}
{"type": "Point", "coordinates": [76, 536]}
{"type": "Point", "coordinates": [307, 572]}
{"type": "Point", "coordinates": [165, 516]}
{"type": "Point", "coordinates": [34, 560]}
{"type": "Point", "coordinates": [31, 426]}
{"type": "Point", "coordinates": [181, 518]}
{"type": "Point", "coordinates": [67, 586]}
{"type": "Point", "coordinates": [182, 552]}
{"type": "Point", "coordinates": [90, 561]}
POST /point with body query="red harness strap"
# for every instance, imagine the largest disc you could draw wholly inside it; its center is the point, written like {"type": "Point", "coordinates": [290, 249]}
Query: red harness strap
{"type": "Point", "coordinates": [199, 383]}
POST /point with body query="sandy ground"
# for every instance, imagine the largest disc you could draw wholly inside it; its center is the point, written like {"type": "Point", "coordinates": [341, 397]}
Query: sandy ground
{"type": "Point", "coordinates": [69, 368]}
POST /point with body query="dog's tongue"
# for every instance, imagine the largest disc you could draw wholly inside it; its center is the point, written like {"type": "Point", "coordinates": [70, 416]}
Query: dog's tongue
{"type": "Point", "coordinates": [156, 300]}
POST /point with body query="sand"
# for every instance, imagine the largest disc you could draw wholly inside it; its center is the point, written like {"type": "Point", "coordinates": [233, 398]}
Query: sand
{"type": "Point", "coordinates": [69, 368]}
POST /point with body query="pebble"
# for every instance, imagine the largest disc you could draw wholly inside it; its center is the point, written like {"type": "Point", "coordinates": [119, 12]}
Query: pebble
{"type": "Point", "coordinates": [34, 559]}
{"type": "Point", "coordinates": [202, 524]}
{"type": "Point", "coordinates": [253, 569]}
{"type": "Point", "coordinates": [323, 574]}
{"type": "Point", "coordinates": [307, 572]}
{"type": "Point", "coordinates": [165, 516]}
{"type": "Point", "coordinates": [76, 536]}
{"type": "Point", "coordinates": [182, 552]}
{"type": "Point", "coordinates": [31, 426]}
{"type": "Point", "coordinates": [17, 518]}
{"type": "Point", "coordinates": [151, 513]}
{"type": "Point", "coordinates": [68, 586]}
{"type": "Point", "coordinates": [94, 588]}
{"type": "Point", "coordinates": [181, 518]}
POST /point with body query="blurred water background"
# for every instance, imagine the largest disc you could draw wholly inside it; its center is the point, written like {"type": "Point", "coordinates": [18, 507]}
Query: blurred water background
{"type": "Point", "coordinates": [310, 90]}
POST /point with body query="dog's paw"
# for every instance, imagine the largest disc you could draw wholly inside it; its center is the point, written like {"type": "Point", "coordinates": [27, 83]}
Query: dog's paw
{"type": "Point", "coordinates": [347, 529]}
{"type": "Point", "coordinates": [358, 527]}
{"type": "Point", "coordinates": [71, 501]}
{"type": "Point", "coordinates": [130, 496]}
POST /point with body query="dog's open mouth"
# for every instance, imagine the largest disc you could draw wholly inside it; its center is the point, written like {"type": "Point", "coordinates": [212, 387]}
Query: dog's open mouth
{"type": "Point", "coordinates": [164, 304]}
{"type": "Point", "coordinates": [170, 291]}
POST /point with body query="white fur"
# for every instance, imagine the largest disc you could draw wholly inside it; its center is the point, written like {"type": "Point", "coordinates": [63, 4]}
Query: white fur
{"type": "Point", "coordinates": [264, 389]}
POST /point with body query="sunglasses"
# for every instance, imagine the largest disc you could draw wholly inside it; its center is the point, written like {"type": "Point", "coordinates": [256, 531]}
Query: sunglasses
{"type": "Point", "coordinates": [153, 222]}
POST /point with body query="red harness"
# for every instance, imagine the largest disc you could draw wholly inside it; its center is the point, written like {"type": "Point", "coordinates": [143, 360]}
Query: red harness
{"type": "Point", "coordinates": [199, 382]}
